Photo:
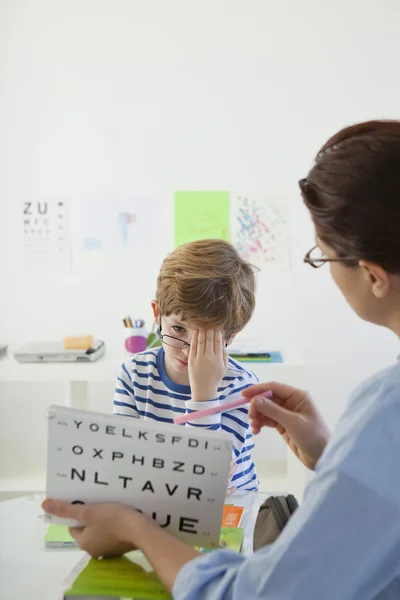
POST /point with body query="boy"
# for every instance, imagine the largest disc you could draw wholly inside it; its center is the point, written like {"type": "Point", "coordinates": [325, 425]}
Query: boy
{"type": "Point", "coordinates": [205, 295]}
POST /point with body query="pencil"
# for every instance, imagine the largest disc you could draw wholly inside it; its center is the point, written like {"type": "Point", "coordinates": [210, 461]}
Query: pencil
{"type": "Point", "coordinates": [198, 414]}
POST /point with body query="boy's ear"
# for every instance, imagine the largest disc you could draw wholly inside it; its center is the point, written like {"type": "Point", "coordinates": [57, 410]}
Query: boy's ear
{"type": "Point", "coordinates": [231, 338]}
{"type": "Point", "coordinates": [156, 311]}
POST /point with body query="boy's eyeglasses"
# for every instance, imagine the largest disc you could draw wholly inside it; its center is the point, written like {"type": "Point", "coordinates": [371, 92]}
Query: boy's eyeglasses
{"type": "Point", "coordinates": [172, 341]}
{"type": "Point", "coordinates": [175, 342]}
{"type": "Point", "coordinates": [316, 258]}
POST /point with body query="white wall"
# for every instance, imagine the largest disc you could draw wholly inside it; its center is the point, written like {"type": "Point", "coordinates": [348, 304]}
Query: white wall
{"type": "Point", "coordinates": [102, 96]}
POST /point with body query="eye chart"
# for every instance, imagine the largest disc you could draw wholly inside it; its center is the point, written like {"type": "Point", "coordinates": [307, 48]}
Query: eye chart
{"type": "Point", "coordinates": [46, 244]}
{"type": "Point", "coordinates": [176, 475]}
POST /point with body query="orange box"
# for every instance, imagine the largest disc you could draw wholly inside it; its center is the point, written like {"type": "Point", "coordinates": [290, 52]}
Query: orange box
{"type": "Point", "coordinates": [232, 515]}
{"type": "Point", "coordinates": [78, 343]}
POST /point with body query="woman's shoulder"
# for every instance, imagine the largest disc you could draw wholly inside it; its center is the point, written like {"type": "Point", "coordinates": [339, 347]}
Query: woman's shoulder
{"type": "Point", "coordinates": [366, 444]}
{"type": "Point", "coordinates": [379, 389]}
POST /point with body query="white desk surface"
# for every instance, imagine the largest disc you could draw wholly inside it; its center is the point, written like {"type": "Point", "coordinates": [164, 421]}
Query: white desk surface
{"type": "Point", "coordinates": [29, 571]}
{"type": "Point", "coordinates": [107, 368]}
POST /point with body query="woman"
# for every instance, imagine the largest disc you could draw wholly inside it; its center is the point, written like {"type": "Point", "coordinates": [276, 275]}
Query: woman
{"type": "Point", "coordinates": [344, 541]}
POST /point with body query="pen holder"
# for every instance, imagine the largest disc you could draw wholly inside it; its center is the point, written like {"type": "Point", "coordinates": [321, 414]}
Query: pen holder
{"type": "Point", "coordinates": [135, 339]}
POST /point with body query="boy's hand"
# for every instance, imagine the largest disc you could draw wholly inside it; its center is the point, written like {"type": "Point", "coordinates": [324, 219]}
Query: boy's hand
{"type": "Point", "coordinates": [208, 362]}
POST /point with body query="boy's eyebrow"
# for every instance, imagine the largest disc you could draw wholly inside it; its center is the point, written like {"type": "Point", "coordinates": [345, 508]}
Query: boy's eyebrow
{"type": "Point", "coordinates": [176, 321]}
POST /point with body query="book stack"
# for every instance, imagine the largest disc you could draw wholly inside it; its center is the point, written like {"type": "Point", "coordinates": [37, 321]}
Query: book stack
{"type": "Point", "coordinates": [256, 356]}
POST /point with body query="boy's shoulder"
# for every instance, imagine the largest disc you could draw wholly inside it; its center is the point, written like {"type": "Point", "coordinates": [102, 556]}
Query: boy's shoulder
{"type": "Point", "coordinates": [142, 361]}
{"type": "Point", "coordinates": [237, 370]}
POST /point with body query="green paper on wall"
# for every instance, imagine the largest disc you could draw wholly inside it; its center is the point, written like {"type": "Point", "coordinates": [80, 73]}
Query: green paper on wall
{"type": "Point", "coordinates": [201, 215]}
{"type": "Point", "coordinates": [117, 578]}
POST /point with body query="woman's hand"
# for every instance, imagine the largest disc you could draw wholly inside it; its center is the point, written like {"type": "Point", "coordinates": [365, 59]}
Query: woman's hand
{"type": "Point", "coordinates": [114, 529]}
{"type": "Point", "coordinates": [293, 414]}
{"type": "Point", "coordinates": [107, 529]}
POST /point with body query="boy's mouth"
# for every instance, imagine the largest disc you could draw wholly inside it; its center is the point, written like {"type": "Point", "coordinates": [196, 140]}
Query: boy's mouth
{"type": "Point", "coordinates": [183, 362]}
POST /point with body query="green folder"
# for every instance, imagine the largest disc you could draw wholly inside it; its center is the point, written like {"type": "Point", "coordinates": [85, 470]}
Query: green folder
{"type": "Point", "coordinates": [113, 578]}
{"type": "Point", "coordinates": [124, 578]}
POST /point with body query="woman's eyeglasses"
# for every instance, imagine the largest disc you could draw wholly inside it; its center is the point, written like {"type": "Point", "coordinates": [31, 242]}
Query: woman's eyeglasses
{"type": "Point", "coordinates": [317, 258]}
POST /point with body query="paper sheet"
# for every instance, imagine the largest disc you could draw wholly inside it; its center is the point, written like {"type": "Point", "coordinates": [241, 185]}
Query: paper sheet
{"type": "Point", "coordinates": [118, 222]}
{"type": "Point", "coordinates": [260, 228]}
{"type": "Point", "coordinates": [58, 534]}
{"type": "Point", "coordinates": [201, 215]}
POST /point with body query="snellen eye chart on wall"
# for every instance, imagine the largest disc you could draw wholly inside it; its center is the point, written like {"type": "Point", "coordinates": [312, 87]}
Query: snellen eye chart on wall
{"type": "Point", "coordinates": [45, 228]}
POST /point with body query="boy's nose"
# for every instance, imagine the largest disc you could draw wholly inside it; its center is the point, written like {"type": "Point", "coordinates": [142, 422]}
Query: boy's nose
{"type": "Point", "coordinates": [186, 350]}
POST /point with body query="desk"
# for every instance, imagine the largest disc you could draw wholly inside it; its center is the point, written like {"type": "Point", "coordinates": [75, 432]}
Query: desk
{"type": "Point", "coordinates": [77, 375]}
{"type": "Point", "coordinates": [30, 571]}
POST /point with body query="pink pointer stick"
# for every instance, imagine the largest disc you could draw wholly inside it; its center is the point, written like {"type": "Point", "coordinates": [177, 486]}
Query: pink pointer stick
{"type": "Point", "coordinates": [198, 414]}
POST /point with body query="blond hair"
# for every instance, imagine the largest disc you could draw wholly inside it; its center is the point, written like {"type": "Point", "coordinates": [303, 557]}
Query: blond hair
{"type": "Point", "coordinates": [208, 283]}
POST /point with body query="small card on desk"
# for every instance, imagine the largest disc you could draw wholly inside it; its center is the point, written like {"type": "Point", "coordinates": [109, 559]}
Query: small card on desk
{"type": "Point", "coordinates": [57, 536]}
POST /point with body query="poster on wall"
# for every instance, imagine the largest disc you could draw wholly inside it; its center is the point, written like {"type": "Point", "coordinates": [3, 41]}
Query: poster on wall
{"type": "Point", "coordinates": [46, 240]}
{"type": "Point", "coordinates": [260, 228]}
{"type": "Point", "coordinates": [200, 215]}
{"type": "Point", "coordinates": [121, 222]}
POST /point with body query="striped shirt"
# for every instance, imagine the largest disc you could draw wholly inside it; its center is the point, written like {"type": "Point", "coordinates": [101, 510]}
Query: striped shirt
{"type": "Point", "coordinates": [144, 390]}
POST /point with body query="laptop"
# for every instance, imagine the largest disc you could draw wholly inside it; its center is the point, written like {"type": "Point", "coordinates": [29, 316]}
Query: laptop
{"type": "Point", "coordinates": [54, 352]}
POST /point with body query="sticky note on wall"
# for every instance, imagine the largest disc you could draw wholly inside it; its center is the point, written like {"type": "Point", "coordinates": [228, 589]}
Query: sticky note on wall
{"type": "Point", "coordinates": [201, 215]}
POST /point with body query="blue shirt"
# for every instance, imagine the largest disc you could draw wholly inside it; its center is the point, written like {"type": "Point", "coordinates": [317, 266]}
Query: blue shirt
{"type": "Point", "coordinates": [144, 390]}
{"type": "Point", "coordinates": [343, 543]}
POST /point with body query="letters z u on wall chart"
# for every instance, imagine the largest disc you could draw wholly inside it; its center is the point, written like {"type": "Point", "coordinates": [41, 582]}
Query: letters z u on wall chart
{"type": "Point", "coordinates": [177, 475]}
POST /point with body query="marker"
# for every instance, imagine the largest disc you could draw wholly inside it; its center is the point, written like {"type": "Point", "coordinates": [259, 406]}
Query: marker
{"type": "Point", "coordinates": [198, 414]}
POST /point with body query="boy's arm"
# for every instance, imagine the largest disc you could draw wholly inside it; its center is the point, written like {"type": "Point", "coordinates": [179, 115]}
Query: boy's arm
{"type": "Point", "coordinates": [124, 396]}
{"type": "Point", "coordinates": [236, 423]}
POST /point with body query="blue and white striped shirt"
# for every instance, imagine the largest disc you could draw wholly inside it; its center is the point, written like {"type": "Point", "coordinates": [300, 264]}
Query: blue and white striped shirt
{"type": "Point", "coordinates": [144, 390]}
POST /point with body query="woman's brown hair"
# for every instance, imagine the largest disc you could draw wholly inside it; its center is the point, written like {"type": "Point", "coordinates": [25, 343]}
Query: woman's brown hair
{"type": "Point", "coordinates": [353, 193]}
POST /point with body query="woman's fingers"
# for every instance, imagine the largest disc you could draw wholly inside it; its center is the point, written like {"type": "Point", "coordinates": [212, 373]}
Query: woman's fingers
{"type": "Point", "coordinates": [280, 391]}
